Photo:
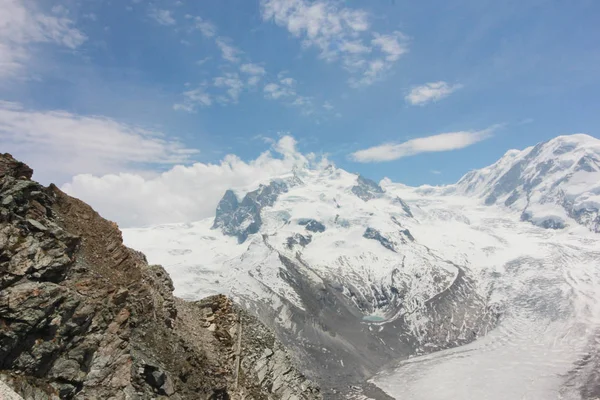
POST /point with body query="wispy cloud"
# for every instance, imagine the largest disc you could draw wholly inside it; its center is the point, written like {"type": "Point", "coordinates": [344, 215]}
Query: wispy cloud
{"type": "Point", "coordinates": [193, 99]}
{"type": "Point", "coordinates": [228, 51]}
{"type": "Point", "coordinates": [232, 83]}
{"type": "Point", "coordinates": [203, 61]}
{"type": "Point", "coordinates": [437, 143]}
{"type": "Point", "coordinates": [229, 85]}
{"type": "Point", "coordinates": [339, 33]}
{"type": "Point", "coordinates": [21, 24]}
{"type": "Point", "coordinates": [430, 92]}
{"type": "Point", "coordinates": [254, 72]}
{"type": "Point", "coordinates": [64, 144]}
{"type": "Point", "coordinates": [285, 90]}
{"type": "Point", "coordinates": [207, 28]}
{"type": "Point", "coordinates": [275, 91]}
{"type": "Point", "coordinates": [163, 17]}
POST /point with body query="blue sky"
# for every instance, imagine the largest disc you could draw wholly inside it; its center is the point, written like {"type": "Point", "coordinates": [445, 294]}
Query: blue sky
{"type": "Point", "coordinates": [191, 81]}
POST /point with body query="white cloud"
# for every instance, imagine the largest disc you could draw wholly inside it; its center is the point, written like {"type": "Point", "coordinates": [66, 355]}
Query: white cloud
{"type": "Point", "coordinates": [274, 91]}
{"type": "Point", "coordinates": [391, 45]}
{"type": "Point", "coordinates": [354, 47]}
{"type": "Point", "coordinates": [320, 24]}
{"type": "Point", "coordinates": [288, 81]}
{"type": "Point", "coordinates": [225, 89]}
{"type": "Point", "coordinates": [22, 25]}
{"type": "Point", "coordinates": [163, 17]}
{"type": "Point", "coordinates": [252, 69]}
{"type": "Point", "coordinates": [203, 61]}
{"type": "Point", "coordinates": [193, 99]}
{"type": "Point", "coordinates": [432, 91]}
{"type": "Point", "coordinates": [59, 144]}
{"type": "Point", "coordinates": [429, 144]}
{"type": "Point", "coordinates": [184, 193]}
{"type": "Point", "coordinates": [285, 91]}
{"type": "Point", "coordinates": [436, 172]}
{"type": "Point", "coordinates": [328, 106]}
{"type": "Point", "coordinates": [255, 72]}
{"type": "Point", "coordinates": [228, 51]}
{"type": "Point", "coordinates": [232, 83]}
{"type": "Point", "coordinates": [339, 33]}
{"type": "Point", "coordinates": [207, 28]}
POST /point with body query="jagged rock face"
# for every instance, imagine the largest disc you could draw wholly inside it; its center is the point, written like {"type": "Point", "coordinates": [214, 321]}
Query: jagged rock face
{"type": "Point", "coordinates": [405, 207]}
{"type": "Point", "coordinates": [298, 239]}
{"type": "Point", "coordinates": [84, 317]}
{"type": "Point", "coordinates": [366, 189]}
{"type": "Point", "coordinates": [312, 225]}
{"type": "Point", "coordinates": [243, 219]}
{"type": "Point", "coordinates": [374, 234]}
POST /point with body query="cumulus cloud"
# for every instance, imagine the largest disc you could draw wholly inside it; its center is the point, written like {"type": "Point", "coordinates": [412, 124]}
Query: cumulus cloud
{"type": "Point", "coordinates": [163, 17]}
{"type": "Point", "coordinates": [430, 92]}
{"type": "Point", "coordinates": [184, 193]}
{"type": "Point", "coordinates": [22, 26]}
{"type": "Point", "coordinates": [437, 143]}
{"type": "Point", "coordinates": [59, 144]}
{"type": "Point", "coordinates": [339, 33]}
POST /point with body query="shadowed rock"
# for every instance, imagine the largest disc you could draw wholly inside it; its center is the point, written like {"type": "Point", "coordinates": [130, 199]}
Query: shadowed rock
{"type": "Point", "coordinates": [366, 189]}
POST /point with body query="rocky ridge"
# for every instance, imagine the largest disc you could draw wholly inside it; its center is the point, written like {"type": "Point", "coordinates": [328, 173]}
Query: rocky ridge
{"type": "Point", "coordinates": [83, 316]}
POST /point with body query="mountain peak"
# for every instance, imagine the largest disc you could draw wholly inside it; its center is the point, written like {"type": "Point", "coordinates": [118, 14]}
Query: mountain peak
{"type": "Point", "coordinates": [551, 183]}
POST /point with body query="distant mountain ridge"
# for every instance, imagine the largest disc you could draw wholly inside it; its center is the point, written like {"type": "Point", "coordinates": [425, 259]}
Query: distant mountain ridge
{"type": "Point", "coordinates": [551, 183]}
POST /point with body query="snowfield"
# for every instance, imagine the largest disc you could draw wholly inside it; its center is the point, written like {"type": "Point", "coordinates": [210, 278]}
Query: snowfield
{"type": "Point", "coordinates": [487, 289]}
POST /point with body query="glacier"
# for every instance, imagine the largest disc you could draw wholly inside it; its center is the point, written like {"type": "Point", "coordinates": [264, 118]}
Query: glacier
{"type": "Point", "coordinates": [485, 289]}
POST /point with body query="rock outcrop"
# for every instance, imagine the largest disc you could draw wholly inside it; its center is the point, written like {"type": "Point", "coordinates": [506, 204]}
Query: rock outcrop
{"type": "Point", "coordinates": [84, 317]}
{"type": "Point", "coordinates": [243, 219]}
{"type": "Point", "coordinates": [366, 189]}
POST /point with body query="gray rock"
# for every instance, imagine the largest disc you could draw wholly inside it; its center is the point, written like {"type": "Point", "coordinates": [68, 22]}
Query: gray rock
{"type": "Point", "coordinates": [374, 234]}
{"type": "Point", "coordinates": [312, 225]}
{"type": "Point", "coordinates": [84, 317]}
{"type": "Point", "coordinates": [366, 189]}
{"type": "Point", "coordinates": [243, 219]}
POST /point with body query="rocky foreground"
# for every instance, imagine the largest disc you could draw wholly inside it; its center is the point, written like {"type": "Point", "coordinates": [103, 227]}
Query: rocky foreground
{"type": "Point", "coordinates": [84, 317]}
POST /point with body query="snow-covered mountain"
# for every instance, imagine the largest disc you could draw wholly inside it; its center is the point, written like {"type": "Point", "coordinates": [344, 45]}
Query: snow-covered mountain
{"type": "Point", "coordinates": [551, 184]}
{"type": "Point", "coordinates": [356, 276]}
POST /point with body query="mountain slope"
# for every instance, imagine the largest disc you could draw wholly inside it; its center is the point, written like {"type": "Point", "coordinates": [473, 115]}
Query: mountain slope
{"type": "Point", "coordinates": [552, 184]}
{"type": "Point", "coordinates": [356, 277]}
{"type": "Point", "coordinates": [329, 261]}
{"type": "Point", "coordinates": [84, 317]}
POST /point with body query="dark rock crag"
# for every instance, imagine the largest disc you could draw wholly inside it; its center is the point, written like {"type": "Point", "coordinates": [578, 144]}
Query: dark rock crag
{"type": "Point", "coordinates": [243, 219]}
{"type": "Point", "coordinates": [84, 317]}
{"type": "Point", "coordinates": [366, 189]}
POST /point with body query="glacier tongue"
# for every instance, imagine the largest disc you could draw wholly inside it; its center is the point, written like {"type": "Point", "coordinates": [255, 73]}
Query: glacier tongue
{"type": "Point", "coordinates": [546, 344]}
